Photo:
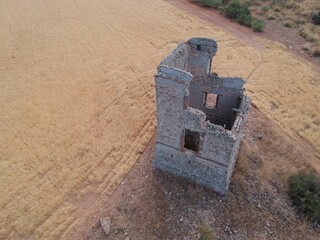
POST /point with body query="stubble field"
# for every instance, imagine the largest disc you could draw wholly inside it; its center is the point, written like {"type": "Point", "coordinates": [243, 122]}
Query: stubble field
{"type": "Point", "coordinates": [77, 100]}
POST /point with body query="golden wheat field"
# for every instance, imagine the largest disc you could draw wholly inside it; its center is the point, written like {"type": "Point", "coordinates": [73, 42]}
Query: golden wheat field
{"type": "Point", "coordinates": [77, 100]}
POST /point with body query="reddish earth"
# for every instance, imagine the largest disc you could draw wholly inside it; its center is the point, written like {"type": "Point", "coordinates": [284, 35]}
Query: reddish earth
{"type": "Point", "coordinates": [273, 31]}
{"type": "Point", "coordinates": [150, 204]}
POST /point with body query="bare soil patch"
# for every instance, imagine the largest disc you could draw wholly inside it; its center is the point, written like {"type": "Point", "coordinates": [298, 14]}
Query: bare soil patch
{"type": "Point", "coordinates": [274, 30]}
{"type": "Point", "coordinates": [150, 204]}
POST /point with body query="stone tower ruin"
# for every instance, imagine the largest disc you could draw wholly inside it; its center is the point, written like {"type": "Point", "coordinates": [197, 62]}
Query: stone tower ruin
{"type": "Point", "coordinates": [199, 116]}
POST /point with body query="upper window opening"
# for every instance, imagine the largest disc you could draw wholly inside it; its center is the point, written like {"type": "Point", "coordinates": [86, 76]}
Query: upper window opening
{"type": "Point", "coordinates": [198, 47]}
{"type": "Point", "coordinates": [211, 100]}
{"type": "Point", "coordinates": [191, 140]}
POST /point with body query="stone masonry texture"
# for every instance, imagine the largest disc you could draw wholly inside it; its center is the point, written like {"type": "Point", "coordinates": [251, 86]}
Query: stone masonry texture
{"type": "Point", "coordinates": [199, 116]}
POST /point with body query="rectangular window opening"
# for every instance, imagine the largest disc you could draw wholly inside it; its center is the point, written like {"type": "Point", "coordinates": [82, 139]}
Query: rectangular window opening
{"type": "Point", "coordinates": [211, 100]}
{"type": "Point", "coordinates": [191, 140]}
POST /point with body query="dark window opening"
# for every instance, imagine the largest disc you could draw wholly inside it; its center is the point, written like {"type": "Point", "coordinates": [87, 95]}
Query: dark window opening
{"type": "Point", "coordinates": [211, 100]}
{"type": "Point", "coordinates": [198, 47]}
{"type": "Point", "coordinates": [191, 140]}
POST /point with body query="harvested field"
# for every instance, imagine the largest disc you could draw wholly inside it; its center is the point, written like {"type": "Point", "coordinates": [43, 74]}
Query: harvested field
{"type": "Point", "coordinates": [77, 102]}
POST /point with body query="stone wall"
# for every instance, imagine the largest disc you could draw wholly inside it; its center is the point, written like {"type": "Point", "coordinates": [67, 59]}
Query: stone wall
{"type": "Point", "coordinates": [193, 140]}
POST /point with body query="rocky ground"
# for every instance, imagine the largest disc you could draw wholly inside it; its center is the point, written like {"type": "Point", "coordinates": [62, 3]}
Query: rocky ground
{"type": "Point", "coordinates": [151, 204]}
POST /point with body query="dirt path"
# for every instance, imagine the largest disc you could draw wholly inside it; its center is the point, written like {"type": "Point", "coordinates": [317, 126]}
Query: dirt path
{"type": "Point", "coordinates": [273, 30]}
{"type": "Point", "coordinates": [77, 101]}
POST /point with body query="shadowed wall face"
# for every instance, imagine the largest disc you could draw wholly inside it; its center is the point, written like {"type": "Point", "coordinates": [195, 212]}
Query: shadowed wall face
{"type": "Point", "coordinates": [218, 100]}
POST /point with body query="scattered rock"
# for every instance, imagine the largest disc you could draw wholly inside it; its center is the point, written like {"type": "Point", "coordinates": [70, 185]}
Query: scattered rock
{"type": "Point", "coordinates": [105, 224]}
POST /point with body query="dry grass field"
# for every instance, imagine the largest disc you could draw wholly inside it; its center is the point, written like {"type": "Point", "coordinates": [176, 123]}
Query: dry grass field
{"type": "Point", "coordinates": [77, 104]}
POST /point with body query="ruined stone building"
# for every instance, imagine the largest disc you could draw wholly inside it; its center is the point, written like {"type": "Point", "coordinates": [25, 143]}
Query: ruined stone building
{"type": "Point", "coordinates": [199, 116]}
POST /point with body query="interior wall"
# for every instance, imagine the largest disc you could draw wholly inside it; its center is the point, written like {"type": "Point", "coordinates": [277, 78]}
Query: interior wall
{"type": "Point", "coordinates": [228, 99]}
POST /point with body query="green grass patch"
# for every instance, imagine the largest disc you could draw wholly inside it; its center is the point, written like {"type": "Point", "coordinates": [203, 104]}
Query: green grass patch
{"type": "Point", "coordinates": [205, 233]}
{"type": "Point", "coordinates": [210, 3]}
{"type": "Point", "coordinates": [258, 25]}
{"type": "Point", "coordinates": [305, 194]}
{"type": "Point", "coordinates": [316, 19]}
{"type": "Point", "coordinates": [235, 9]}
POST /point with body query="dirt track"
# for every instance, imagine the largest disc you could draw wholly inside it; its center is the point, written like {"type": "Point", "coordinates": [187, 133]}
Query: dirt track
{"type": "Point", "coordinates": [274, 31]}
{"type": "Point", "coordinates": [77, 100]}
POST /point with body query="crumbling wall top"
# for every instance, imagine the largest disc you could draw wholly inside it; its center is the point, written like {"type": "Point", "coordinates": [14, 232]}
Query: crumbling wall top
{"type": "Point", "coordinates": [204, 44]}
{"type": "Point", "coordinates": [174, 74]}
{"type": "Point", "coordinates": [178, 57]}
{"type": "Point", "coordinates": [199, 116]}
